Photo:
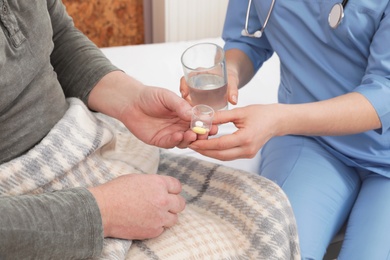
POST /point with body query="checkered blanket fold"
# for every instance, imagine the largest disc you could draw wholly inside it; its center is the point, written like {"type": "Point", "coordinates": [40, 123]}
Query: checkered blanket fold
{"type": "Point", "coordinates": [230, 214]}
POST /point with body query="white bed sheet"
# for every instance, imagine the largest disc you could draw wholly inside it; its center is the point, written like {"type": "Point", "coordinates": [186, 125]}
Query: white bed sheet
{"type": "Point", "coordinates": [159, 65]}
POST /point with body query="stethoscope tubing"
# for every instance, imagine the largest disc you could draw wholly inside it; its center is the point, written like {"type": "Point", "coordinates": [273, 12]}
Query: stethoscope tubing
{"type": "Point", "coordinates": [258, 33]}
{"type": "Point", "coordinates": [344, 3]}
{"type": "Point", "coordinates": [336, 15]}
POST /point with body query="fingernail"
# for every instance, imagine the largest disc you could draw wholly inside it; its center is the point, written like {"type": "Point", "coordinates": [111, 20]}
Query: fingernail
{"type": "Point", "coordinates": [234, 98]}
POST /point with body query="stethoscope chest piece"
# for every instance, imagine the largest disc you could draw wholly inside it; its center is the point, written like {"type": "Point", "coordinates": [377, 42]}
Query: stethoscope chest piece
{"type": "Point", "coordinates": [336, 15]}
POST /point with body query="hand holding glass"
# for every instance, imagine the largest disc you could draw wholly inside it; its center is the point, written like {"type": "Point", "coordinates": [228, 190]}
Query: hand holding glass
{"type": "Point", "coordinates": [205, 74]}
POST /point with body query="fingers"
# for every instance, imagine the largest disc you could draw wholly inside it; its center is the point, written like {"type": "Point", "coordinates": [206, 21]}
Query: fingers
{"type": "Point", "coordinates": [188, 137]}
{"type": "Point", "coordinates": [232, 95]}
{"type": "Point", "coordinates": [232, 88]}
{"type": "Point", "coordinates": [177, 203]}
{"type": "Point", "coordinates": [171, 220]}
{"type": "Point", "coordinates": [177, 139]}
{"type": "Point", "coordinates": [203, 137]}
{"type": "Point", "coordinates": [183, 88]}
{"type": "Point", "coordinates": [228, 154]}
{"type": "Point", "coordinates": [224, 148]}
{"type": "Point", "coordinates": [219, 143]}
{"type": "Point", "coordinates": [180, 138]}
{"type": "Point", "coordinates": [184, 109]}
{"type": "Point", "coordinates": [174, 103]}
{"type": "Point", "coordinates": [214, 130]}
{"type": "Point", "coordinates": [173, 185]}
{"type": "Point", "coordinates": [226, 116]}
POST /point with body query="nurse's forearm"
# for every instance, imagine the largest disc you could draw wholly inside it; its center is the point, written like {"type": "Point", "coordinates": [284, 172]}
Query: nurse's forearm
{"type": "Point", "coordinates": [347, 114]}
{"type": "Point", "coordinates": [240, 66]}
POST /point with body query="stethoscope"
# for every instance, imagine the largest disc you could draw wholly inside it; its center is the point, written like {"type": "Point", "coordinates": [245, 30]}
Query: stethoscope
{"type": "Point", "coordinates": [258, 33]}
{"type": "Point", "coordinates": [335, 17]}
{"type": "Point", "coordinates": [336, 14]}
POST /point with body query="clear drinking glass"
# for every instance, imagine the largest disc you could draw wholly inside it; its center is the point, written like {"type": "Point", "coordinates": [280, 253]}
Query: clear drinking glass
{"type": "Point", "coordinates": [205, 73]}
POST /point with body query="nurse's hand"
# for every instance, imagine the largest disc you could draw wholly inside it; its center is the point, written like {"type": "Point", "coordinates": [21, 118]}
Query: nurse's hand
{"type": "Point", "coordinates": [232, 89]}
{"type": "Point", "coordinates": [239, 70]}
{"type": "Point", "coordinates": [255, 125]}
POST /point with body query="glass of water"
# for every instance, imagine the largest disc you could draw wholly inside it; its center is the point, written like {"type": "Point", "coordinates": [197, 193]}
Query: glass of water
{"type": "Point", "coordinates": [205, 74]}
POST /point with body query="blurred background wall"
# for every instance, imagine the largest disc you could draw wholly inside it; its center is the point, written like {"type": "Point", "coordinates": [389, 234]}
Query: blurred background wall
{"type": "Point", "coordinates": [180, 20]}
{"type": "Point", "coordinates": [109, 22]}
{"type": "Point", "coordinates": [128, 22]}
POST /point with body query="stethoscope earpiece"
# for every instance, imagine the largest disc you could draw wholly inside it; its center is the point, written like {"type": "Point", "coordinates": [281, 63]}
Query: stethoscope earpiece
{"type": "Point", "coordinates": [256, 34]}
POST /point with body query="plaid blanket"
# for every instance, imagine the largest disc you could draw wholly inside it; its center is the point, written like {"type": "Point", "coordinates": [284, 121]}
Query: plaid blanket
{"type": "Point", "coordinates": [230, 214]}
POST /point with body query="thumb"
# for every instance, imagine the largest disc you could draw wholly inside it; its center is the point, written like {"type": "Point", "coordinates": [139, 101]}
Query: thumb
{"type": "Point", "coordinates": [184, 110]}
{"type": "Point", "coordinates": [232, 93]}
{"type": "Point", "coordinates": [177, 104]}
{"type": "Point", "coordinates": [232, 89]}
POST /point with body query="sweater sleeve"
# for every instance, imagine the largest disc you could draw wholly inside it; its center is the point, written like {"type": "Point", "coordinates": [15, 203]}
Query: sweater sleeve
{"type": "Point", "coordinates": [59, 225]}
{"type": "Point", "coordinates": [78, 62]}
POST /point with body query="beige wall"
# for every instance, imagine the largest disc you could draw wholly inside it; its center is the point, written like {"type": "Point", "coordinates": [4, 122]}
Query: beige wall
{"type": "Point", "coordinates": [181, 20]}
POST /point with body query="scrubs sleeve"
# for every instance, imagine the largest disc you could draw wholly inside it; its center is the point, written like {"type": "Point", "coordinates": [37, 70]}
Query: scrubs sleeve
{"type": "Point", "coordinates": [375, 85]}
{"type": "Point", "coordinates": [257, 49]}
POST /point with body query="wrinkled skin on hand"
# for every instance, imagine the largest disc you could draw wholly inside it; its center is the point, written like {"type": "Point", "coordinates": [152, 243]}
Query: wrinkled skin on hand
{"type": "Point", "coordinates": [139, 206]}
{"type": "Point", "coordinates": [161, 118]}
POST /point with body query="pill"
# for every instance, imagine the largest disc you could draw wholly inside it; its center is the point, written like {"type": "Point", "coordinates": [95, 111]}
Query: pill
{"type": "Point", "coordinates": [199, 123]}
{"type": "Point", "coordinates": [200, 130]}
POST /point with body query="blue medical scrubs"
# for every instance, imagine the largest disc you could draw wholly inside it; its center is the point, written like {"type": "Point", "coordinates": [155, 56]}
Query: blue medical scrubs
{"type": "Point", "coordinates": [329, 178]}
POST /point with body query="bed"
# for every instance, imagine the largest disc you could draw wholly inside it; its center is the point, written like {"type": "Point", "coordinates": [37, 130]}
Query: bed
{"type": "Point", "coordinates": [159, 65]}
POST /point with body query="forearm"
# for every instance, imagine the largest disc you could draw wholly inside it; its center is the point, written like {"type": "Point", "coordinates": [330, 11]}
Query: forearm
{"type": "Point", "coordinates": [239, 67]}
{"type": "Point", "coordinates": [113, 94]}
{"type": "Point", "coordinates": [347, 114]}
{"type": "Point", "coordinates": [59, 225]}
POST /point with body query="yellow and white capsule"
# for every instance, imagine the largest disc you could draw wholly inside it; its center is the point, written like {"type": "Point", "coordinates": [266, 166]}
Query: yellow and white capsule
{"type": "Point", "coordinates": [199, 128]}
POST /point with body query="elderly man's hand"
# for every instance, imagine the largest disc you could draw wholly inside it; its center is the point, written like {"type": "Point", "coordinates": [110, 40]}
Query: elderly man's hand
{"type": "Point", "coordinates": [139, 206]}
{"type": "Point", "coordinates": [155, 115]}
